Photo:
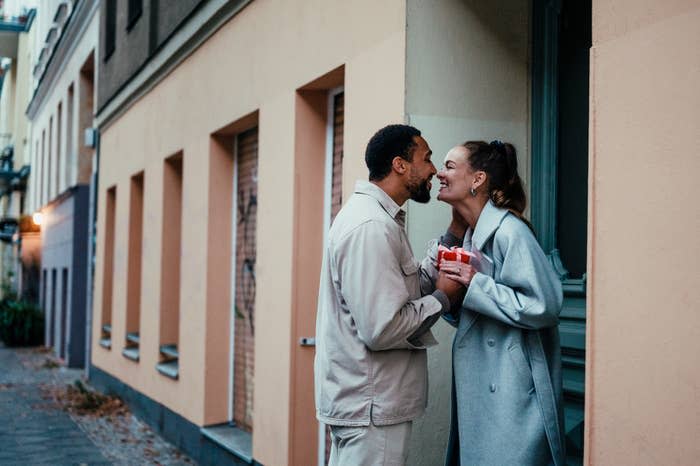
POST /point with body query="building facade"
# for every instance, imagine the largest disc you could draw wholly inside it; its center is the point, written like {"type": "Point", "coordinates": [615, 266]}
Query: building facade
{"type": "Point", "coordinates": [232, 131]}
{"type": "Point", "coordinates": [16, 38]}
{"type": "Point", "coordinates": [60, 112]}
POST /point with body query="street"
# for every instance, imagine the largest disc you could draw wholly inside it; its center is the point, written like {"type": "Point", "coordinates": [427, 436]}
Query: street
{"type": "Point", "coordinates": [46, 419]}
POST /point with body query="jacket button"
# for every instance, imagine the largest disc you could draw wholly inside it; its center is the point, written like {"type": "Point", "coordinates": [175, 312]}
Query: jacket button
{"type": "Point", "coordinates": [490, 342]}
{"type": "Point", "coordinates": [492, 387]}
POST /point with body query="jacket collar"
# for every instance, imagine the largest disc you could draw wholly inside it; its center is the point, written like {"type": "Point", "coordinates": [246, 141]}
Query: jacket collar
{"type": "Point", "coordinates": [489, 221]}
{"type": "Point", "coordinates": [371, 189]}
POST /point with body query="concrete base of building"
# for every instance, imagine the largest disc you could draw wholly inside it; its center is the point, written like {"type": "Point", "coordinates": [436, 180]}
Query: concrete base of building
{"type": "Point", "coordinates": [182, 433]}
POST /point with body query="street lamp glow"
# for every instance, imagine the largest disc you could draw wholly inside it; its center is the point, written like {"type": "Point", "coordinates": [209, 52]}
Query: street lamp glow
{"type": "Point", "coordinates": [37, 218]}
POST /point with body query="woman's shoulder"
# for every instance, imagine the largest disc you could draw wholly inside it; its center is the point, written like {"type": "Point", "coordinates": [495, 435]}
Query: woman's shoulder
{"type": "Point", "coordinates": [514, 227]}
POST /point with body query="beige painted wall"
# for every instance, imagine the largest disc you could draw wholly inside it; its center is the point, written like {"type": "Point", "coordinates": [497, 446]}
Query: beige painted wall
{"type": "Point", "coordinates": [7, 103]}
{"type": "Point", "coordinates": [644, 327]}
{"type": "Point", "coordinates": [14, 123]}
{"type": "Point", "coordinates": [23, 64]}
{"type": "Point", "coordinates": [255, 62]}
{"type": "Point", "coordinates": [466, 78]}
{"type": "Point", "coordinates": [46, 115]}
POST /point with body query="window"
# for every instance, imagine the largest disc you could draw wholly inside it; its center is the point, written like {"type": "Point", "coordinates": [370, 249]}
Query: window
{"type": "Point", "coordinates": [42, 183]}
{"type": "Point", "coordinates": [110, 27]}
{"type": "Point", "coordinates": [69, 136]}
{"type": "Point", "coordinates": [135, 9]}
{"type": "Point", "coordinates": [44, 277]}
{"type": "Point", "coordinates": [59, 117]}
{"type": "Point", "coordinates": [333, 195]}
{"type": "Point", "coordinates": [133, 292]}
{"type": "Point", "coordinates": [63, 342]}
{"type": "Point", "coordinates": [108, 271]}
{"type": "Point", "coordinates": [55, 342]}
{"type": "Point", "coordinates": [170, 267]}
{"type": "Point", "coordinates": [246, 183]}
{"type": "Point", "coordinates": [49, 157]}
{"type": "Point", "coordinates": [337, 101]}
{"type": "Point", "coordinates": [36, 181]}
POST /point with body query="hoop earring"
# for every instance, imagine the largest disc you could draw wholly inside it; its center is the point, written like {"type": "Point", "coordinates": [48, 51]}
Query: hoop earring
{"type": "Point", "coordinates": [472, 191]}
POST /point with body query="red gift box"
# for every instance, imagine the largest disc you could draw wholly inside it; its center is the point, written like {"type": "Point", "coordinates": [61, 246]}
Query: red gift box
{"type": "Point", "coordinates": [452, 254]}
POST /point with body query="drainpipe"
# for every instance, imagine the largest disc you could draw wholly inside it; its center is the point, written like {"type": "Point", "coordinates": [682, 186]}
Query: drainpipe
{"type": "Point", "coordinates": [92, 137]}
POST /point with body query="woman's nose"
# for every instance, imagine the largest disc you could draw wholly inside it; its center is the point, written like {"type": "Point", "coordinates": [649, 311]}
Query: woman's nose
{"type": "Point", "coordinates": [440, 175]}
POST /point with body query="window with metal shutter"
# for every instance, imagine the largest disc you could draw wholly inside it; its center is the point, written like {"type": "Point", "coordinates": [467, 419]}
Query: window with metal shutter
{"type": "Point", "coordinates": [337, 176]}
{"type": "Point", "coordinates": [338, 122]}
{"type": "Point", "coordinates": [247, 193]}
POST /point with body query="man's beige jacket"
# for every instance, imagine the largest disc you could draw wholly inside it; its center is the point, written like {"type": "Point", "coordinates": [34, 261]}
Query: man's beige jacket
{"type": "Point", "coordinates": [372, 325]}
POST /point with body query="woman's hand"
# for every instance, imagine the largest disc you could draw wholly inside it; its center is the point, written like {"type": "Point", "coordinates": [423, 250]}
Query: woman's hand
{"type": "Point", "coordinates": [458, 271]}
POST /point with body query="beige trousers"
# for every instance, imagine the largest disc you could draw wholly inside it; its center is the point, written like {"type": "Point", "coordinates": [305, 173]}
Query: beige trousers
{"type": "Point", "coordinates": [370, 445]}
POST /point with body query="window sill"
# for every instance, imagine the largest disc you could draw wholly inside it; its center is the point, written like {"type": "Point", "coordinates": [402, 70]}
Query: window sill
{"type": "Point", "coordinates": [231, 438]}
{"type": "Point", "coordinates": [169, 369]}
{"type": "Point", "coordinates": [131, 353]}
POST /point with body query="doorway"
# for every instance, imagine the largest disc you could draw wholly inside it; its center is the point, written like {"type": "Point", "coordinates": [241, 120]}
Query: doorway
{"type": "Point", "coordinates": [560, 76]}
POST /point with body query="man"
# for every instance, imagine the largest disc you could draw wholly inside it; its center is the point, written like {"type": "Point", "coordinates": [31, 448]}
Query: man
{"type": "Point", "coordinates": [373, 324]}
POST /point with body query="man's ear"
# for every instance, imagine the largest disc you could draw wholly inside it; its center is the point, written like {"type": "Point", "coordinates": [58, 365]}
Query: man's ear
{"type": "Point", "coordinates": [399, 165]}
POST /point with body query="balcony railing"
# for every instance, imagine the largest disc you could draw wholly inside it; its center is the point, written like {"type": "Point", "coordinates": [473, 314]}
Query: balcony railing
{"type": "Point", "coordinates": [19, 23]}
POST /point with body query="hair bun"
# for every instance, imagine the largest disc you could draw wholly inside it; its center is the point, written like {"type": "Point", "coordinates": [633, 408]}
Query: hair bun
{"type": "Point", "coordinates": [511, 160]}
{"type": "Point", "coordinates": [497, 144]}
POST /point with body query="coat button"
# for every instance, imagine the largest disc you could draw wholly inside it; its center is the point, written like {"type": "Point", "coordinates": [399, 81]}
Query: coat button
{"type": "Point", "coordinates": [490, 342]}
{"type": "Point", "coordinates": [492, 387]}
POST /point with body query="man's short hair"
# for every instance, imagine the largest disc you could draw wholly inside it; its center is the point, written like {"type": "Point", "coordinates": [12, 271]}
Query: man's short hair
{"type": "Point", "coordinates": [387, 143]}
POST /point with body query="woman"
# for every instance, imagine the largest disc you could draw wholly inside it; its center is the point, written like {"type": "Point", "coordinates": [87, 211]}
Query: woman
{"type": "Point", "coordinates": [507, 397]}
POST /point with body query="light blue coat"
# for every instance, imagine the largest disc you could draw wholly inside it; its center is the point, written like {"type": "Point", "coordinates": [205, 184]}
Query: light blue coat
{"type": "Point", "coordinates": [507, 387]}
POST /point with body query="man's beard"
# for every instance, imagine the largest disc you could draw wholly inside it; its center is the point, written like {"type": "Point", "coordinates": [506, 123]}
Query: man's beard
{"type": "Point", "coordinates": [419, 190]}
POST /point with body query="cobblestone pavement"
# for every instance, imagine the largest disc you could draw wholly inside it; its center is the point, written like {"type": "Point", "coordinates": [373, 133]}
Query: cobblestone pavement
{"type": "Point", "coordinates": [36, 428]}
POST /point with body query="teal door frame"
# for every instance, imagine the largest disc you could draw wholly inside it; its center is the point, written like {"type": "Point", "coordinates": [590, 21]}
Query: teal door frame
{"type": "Point", "coordinates": [545, 52]}
{"type": "Point", "coordinates": [544, 182]}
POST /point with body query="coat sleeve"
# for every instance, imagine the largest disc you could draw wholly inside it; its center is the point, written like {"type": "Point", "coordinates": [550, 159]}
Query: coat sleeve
{"type": "Point", "coordinates": [429, 275]}
{"type": "Point", "coordinates": [372, 282]}
{"type": "Point", "coordinates": [525, 292]}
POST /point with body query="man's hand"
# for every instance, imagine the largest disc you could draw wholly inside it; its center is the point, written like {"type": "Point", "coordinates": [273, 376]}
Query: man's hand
{"type": "Point", "coordinates": [454, 290]}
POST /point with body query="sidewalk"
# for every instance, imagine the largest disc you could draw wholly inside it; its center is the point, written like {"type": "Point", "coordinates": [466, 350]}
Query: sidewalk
{"type": "Point", "coordinates": [36, 427]}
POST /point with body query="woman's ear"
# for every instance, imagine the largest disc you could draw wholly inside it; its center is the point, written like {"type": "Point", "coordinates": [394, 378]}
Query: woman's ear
{"type": "Point", "coordinates": [479, 179]}
{"type": "Point", "coordinates": [399, 165]}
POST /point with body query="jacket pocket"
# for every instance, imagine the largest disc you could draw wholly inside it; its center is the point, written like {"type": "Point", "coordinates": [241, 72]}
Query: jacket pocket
{"type": "Point", "coordinates": [518, 358]}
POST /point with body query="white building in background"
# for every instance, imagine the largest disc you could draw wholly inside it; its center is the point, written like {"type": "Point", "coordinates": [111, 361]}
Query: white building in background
{"type": "Point", "coordinates": [17, 33]}
{"type": "Point", "coordinates": [60, 110]}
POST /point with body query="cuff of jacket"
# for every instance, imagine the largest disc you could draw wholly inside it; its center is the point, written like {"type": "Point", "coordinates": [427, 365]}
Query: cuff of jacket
{"type": "Point", "coordinates": [443, 299]}
{"type": "Point", "coordinates": [449, 240]}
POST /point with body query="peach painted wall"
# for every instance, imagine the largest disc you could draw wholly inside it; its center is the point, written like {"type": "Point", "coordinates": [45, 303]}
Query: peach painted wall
{"type": "Point", "coordinates": [256, 62]}
{"type": "Point", "coordinates": [643, 382]}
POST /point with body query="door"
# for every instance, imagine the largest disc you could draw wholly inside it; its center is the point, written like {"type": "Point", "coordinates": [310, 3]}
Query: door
{"type": "Point", "coordinates": [245, 252]}
{"type": "Point", "coordinates": [561, 42]}
{"type": "Point", "coordinates": [333, 197]}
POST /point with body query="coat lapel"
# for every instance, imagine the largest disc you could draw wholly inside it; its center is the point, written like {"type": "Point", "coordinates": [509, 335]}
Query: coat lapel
{"type": "Point", "coordinates": [489, 221]}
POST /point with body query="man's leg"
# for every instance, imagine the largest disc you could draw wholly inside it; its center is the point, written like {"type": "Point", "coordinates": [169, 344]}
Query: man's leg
{"type": "Point", "coordinates": [371, 445]}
